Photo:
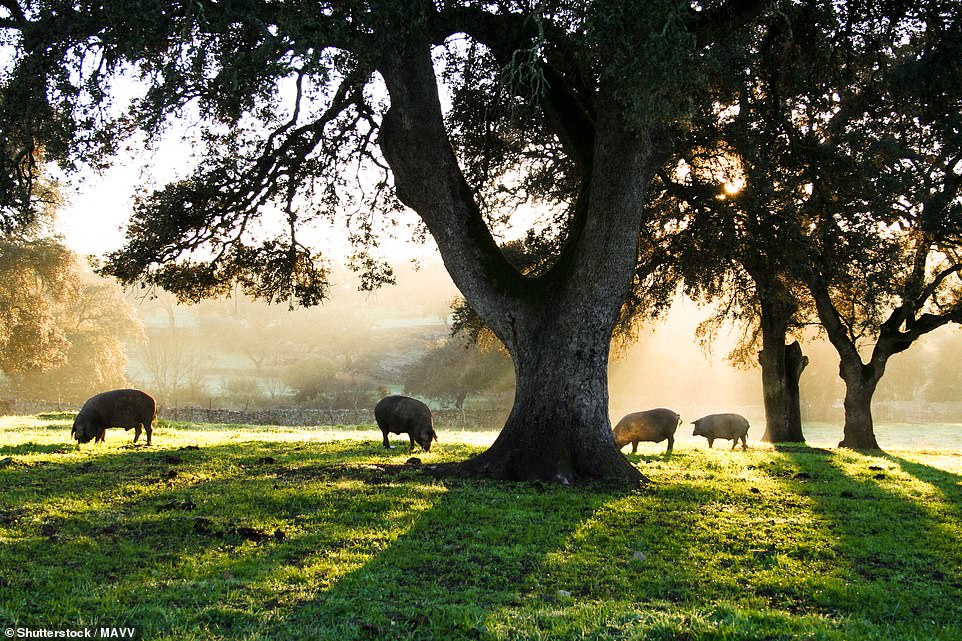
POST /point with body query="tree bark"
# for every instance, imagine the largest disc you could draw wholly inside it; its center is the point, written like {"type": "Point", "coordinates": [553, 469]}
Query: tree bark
{"type": "Point", "coordinates": [860, 384]}
{"type": "Point", "coordinates": [781, 369]}
{"type": "Point", "coordinates": [795, 364]}
{"type": "Point", "coordinates": [558, 430]}
{"type": "Point", "coordinates": [860, 379]}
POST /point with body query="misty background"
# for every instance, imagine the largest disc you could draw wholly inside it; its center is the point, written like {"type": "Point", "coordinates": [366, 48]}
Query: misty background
{"type": "Point", "coordinates": [233, 353]}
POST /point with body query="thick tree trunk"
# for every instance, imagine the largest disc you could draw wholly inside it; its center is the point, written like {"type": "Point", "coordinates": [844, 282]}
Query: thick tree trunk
{"type": "Point", "coordinates": [558, 325]}
{"type": "Point", "coordinates": [782, 367]}
{"type": "Point", "coordinates": [860, 379]}
{"type": "Point", "coordinates": [795, 364]}
{"type": "Point", "coordinates": [781, 370]}
{"type": "Point", "coordinates": [774, 386]}
{"type": "Point", "coordinates": [860, 384]}
{"type": "Point", "coordinates": [558, 429]}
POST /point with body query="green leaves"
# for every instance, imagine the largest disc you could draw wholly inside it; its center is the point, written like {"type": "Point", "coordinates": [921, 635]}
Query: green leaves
{"type": "Point", "coordinates": [647, 52]}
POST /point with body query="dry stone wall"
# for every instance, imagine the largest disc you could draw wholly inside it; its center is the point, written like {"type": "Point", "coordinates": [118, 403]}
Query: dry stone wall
{"type": "Point", "coordinates": [309, 416]}
{"type": "Point", "coordinates": [296, 416]}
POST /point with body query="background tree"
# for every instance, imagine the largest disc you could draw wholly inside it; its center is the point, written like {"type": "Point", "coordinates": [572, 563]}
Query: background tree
{"type": "Point", "coordinates": [913, 289]}
{"type": "Point", "coordinates": [458, 367]}
{"type": "Point", "coordinates": [97, 324]}
{"type": "Point", "coordinates": [729, 253]}
{"type": "Point", "coordinates": [887, 195]}
{"type": "Point", "coordinates": [733, 187]}
{"type": "Point", "coordinates": [573, 103]}
{"type": "Point", "coordinates": [851, 169]}
{"type": "Point", "coordinates": [321, 382]}
{"type": "Point", "coordinates": [61, 331]}
{"type": "Point", "coordinates": [846, 165]}
{"type": "Point", "coordinates": [246, 326]}
{"type": "Point", "coordinates": [174, 367]}
{"type": "Point", "coordinates": [37, 277]}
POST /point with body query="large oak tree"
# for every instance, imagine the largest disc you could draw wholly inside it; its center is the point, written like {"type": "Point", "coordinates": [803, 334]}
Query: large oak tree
{"type": "Point", "coordinates": [575, 103]}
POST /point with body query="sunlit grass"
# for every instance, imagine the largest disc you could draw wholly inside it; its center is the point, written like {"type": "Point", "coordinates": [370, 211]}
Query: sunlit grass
{"type": "Point", "coordinates": [253, 532]}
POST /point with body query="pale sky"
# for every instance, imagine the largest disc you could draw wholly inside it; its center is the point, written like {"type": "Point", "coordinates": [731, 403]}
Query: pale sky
{"type": "Point", "coordinates": [99, 206]}
{"type": "Point", "coordinates": [97, 209]}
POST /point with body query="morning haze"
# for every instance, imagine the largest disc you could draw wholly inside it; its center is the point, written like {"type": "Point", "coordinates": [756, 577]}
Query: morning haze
{"type": "Point", "coordinates": [240, 354]}
{"type": "Point", "coordinates": [373, 465]}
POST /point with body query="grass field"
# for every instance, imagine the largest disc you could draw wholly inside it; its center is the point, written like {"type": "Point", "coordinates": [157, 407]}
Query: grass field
{"type": "Point", "coordinates": [233, 532]}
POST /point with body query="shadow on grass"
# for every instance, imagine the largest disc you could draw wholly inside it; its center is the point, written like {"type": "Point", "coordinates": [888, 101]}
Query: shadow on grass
{"type": "Point", "coordinates": [895, 560]}
{"type": "Point", "coordinates": [949, 484]}
{"type": "Point", "coordinates": [125, 517]}
{"type": "Point", "coordinates": [479, 548]}
{"type": "Point", "coordinates": [89, 471]}
{"type": "Point", "coordinates": [334, 540]}
{"type": "Point", "coordinates": [943, 507]}
{"type": "Point", "coordinates": [37, 448]}
{"type": "Point", "coordinates": [273, 541]}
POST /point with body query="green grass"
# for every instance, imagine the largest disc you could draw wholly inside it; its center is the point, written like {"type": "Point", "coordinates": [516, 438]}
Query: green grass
{"type": "Point", "coordinates": [294, 533]}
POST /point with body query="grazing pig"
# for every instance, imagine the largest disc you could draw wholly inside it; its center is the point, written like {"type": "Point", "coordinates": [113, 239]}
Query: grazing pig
{"type": "Point", "coordinates": [405, 415]}
{"type": "Point", "coordinates": [651, 425]}
{"type": "Point", "coordinates": [126, 408]}
{"type": "Point", "coordinates": [727, 426]}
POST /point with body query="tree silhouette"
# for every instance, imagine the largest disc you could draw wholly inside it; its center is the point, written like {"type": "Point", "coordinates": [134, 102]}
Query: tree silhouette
{"type": "Point", "coordinates": [846, 134]}
{"type": "Point", "coordinates": [569, 108]}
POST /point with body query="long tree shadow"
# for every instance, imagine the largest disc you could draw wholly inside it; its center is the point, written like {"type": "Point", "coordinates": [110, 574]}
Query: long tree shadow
{"type": "Point", "coordinates": [949, 484]}
{"type": "Point", "coordinates": [83, 475]}
{"type": "Point", "coordinates": [939, 494]}
{"type": "Point", "coordinates": [313, 541]}
{"type": "Point", "coordinates": [190, 525]}
{"type": "Point", "coordinates": [492, 561]}
{"type": "Point", "coordinates": [274, 540]}
{"type": "Point", "coordinates": [479, 548]}
{"type": "Point", "coordinates": [895, 558]}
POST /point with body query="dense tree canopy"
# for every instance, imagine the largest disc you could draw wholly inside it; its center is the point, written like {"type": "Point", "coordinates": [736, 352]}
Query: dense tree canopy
{"type": "Point", "coordinates": [845, 140]}
{"type": "Point", "coordinates": [63, 333]}
{"type": "Point", "coordinates": [568, 107]}
{"type": "Point", "coordinates": [291, 96]}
